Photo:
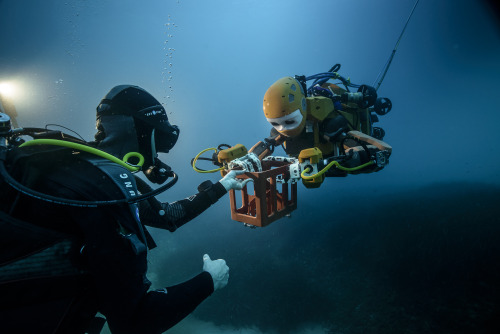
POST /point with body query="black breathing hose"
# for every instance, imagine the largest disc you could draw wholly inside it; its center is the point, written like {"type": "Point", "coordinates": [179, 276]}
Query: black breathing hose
{"type": "Point", "coordinates": [65, 201]}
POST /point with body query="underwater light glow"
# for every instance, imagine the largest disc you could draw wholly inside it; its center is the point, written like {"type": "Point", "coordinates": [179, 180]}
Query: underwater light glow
{"type": "Point", "coordinates": [8, 89]}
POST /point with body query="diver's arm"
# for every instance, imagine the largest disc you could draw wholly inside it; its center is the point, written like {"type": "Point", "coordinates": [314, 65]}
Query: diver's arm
{"type": "Point", "coordinates": [117, 260]}
{"type": "Point", "coordinates": [171, 216]}
{"type": "Point", "coordinates": [162, 309]}
{"type": "Point", "coordinates": [118, 265]}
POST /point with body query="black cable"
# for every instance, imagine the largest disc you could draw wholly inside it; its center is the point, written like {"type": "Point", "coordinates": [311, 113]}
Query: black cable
{"type": "Point", "coordinates": [335, 68]}
{"type": "Point", "coordinates": [223, 145]}
{"type": "Point", "coordinates": [86, 204]}
{"type": "Point", "coordinates": [65, 201]}
{"type": "Point", "coordinates": [76, 133]}
{"type": "Point", "coordinates": [37, 133]}
{"type": "Point", "coordinates": [389, 61]}
{"type": "Point", "coordinates": [215, 162]}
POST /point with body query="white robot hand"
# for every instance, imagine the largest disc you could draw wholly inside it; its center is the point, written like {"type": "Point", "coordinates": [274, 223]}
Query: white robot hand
{"type": "Point", "coordinates": [231, 182]}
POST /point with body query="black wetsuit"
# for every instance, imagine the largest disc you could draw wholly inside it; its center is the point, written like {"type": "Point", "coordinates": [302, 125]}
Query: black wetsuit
{"type": "Point", "coordinates": [110, 251]}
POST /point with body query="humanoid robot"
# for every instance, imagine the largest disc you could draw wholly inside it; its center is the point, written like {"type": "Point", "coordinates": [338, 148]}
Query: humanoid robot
{"type": "Point", "coordinates": [333, 121]}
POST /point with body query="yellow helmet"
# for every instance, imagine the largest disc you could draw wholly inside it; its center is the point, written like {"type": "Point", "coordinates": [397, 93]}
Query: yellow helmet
{"type": "Point", "coordinates": [285, 106]}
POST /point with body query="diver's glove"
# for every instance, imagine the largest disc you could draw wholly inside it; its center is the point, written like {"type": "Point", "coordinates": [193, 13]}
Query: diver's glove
{"type": "Point", "coordinates": [218, 270]}
{"type": "Point", "coordinates": [231, 182]}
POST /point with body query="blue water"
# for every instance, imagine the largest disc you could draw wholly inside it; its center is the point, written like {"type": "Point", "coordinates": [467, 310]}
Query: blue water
{"type": "Point", "coordinates": [410, 249]}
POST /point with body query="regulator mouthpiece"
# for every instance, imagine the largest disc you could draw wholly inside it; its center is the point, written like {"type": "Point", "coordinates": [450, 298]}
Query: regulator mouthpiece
{"type": "Point", "coordinates": [159, 172]}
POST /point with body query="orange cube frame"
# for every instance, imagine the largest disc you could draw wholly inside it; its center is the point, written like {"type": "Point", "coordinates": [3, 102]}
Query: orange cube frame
{"type": "Point", "coordinates": [267, 204]}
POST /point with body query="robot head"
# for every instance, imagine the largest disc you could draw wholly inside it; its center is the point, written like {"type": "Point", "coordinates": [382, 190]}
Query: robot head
{"type": "Point", "coordinates": [130, 119]}
{"type": "Point", "coordinates": [285, 106]}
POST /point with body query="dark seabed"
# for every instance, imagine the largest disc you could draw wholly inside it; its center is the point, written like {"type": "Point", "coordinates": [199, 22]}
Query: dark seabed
{"type": "Point", "coordinates": [424, 261]}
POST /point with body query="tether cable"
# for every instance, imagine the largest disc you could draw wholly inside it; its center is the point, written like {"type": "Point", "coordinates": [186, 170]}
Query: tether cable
{"type": "Point", "coordinates": [386, 67]}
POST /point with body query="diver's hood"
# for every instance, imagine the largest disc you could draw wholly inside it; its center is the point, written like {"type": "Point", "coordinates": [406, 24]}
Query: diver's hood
{"type": "Point", "coordinates": [117, 135]}
{"type": "Point", "coordinates": [146, 111]}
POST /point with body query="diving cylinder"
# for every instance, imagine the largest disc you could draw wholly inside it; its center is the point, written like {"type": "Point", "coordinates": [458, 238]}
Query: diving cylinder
{"type": "Point", "coordinates": [5, 127]}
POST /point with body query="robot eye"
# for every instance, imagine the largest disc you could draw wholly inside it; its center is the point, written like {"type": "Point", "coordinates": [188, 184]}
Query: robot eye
{"type": "Point", "coordinates": [291, 121]}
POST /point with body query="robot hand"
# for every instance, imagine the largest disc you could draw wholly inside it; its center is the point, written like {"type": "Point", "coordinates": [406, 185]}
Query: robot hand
{"type": "Point", "coordinates": [231, 182]}
{"type": "Point", "coordinates": [218, 270]}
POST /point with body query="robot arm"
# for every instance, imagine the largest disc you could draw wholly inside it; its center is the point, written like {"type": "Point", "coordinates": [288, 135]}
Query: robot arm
{"type": "Point", "coordinates": [361, 148]}
{"type": "Point", "coordinates": [265, 148]}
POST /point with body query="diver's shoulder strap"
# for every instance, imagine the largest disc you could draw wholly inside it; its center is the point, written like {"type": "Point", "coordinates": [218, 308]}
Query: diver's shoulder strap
{"type": "Point", "coordinates": [123, 178]}
{"type": "Point", "coordinates": [127, 184]}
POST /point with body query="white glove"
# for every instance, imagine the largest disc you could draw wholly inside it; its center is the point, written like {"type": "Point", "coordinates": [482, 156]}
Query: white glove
{"type": "Point", "coordinates": [218, 270]}
{"type": "Point", "coordinates": [231, 182]}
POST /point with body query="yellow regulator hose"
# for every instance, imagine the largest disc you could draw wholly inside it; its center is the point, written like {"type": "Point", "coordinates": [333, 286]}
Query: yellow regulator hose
{"type": "Point", "coordinates": [336, 163]}
{"type": "Point", "coordinates": [102, 154]}
{"type": "Point", "coordinates": [205, 171]}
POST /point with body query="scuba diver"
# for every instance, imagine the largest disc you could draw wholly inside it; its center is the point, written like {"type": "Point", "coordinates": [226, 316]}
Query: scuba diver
{"type": "Point", "coordinates": [73, 240]}
{"type": "Point", "coordinates": [336, 121]}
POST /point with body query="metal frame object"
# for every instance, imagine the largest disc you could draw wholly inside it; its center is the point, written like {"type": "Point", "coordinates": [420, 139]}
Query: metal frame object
{"type": "Point", "coordinates": [267, 203]}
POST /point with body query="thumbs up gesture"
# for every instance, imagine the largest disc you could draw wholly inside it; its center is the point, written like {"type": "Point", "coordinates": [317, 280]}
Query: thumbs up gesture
{"type": "Point", "coordinates": [218, 270]}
